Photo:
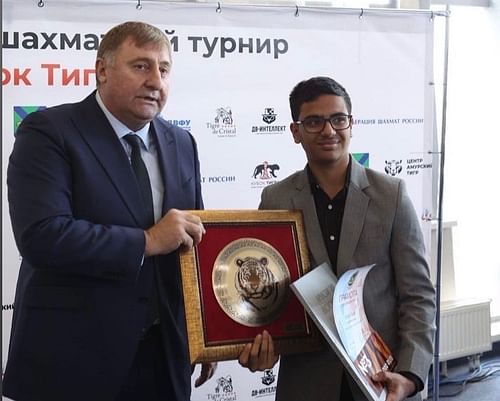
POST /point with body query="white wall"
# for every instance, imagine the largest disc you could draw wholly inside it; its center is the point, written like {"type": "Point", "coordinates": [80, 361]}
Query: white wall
{"type": "Point", "coordinates": [472, 185]}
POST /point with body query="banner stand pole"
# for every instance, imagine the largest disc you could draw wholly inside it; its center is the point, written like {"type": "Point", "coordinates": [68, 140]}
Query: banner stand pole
{"type": "Point", "coordinates": [435, 369]}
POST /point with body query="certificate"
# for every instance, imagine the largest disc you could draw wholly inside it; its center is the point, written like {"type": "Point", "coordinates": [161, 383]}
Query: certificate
{"type": "Point", "coordinates": [236, 283]}
{"type": "Point", "coordinates": [337, 309]}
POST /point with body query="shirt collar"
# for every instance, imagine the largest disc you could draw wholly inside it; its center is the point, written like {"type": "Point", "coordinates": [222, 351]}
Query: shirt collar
{"type": "Point", "coordinates": [121, 129]}
{"type": "Point", "coordinates": [314, 183]}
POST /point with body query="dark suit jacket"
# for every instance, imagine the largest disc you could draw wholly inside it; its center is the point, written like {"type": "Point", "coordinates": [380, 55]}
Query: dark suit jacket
{"type": "Point", "coordinates": [379, 226]}
{"type": "Point", "coordinates": [82, 294]}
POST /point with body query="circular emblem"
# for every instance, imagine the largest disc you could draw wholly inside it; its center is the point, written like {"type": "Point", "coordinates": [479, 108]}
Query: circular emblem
{"type": "Point", "coordinates": [251, 282]}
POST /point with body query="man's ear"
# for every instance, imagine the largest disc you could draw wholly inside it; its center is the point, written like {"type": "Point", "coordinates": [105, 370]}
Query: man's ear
{"type": "Point", "coordinates": [294, 127]}
{"type": "Point", "coordinates": [100, 70]}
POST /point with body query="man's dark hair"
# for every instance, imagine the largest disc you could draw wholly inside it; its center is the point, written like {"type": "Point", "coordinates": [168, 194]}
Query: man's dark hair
{"type": "Point", "coordinates": [311, 89]}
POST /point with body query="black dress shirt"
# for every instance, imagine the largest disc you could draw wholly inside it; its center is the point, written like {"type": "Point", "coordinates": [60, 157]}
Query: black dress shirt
{"type": "Point", "coordinates": [330, 212]}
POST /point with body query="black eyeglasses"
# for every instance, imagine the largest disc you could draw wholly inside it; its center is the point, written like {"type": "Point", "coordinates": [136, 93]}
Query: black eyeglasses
{"type": "Point", "coordinates": [316, 124]}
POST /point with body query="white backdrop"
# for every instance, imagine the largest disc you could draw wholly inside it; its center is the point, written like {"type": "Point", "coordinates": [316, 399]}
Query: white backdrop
{"type": "Point", "coordinates": [233, 71]}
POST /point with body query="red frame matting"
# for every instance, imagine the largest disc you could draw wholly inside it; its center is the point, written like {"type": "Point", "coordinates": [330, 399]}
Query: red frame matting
{"type": "Point", "coordinates": [219, 328]}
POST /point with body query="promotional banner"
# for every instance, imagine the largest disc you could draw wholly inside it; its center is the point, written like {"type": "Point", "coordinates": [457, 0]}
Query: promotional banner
{"type": "Point", "coordinates": [233, 70]}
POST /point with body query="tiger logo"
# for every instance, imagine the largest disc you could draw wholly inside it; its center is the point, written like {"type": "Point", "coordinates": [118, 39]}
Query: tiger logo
{"type": "Point", "coordinates": [224, 384]}
{"type": "Point", "coordinates": [255, 283]}
{"type": "Point", "coordinates": [225, 115]}
{"type": "Point", "coordinates": [393, 167]}
{"type": "Point", "coordinates": [265, 171]}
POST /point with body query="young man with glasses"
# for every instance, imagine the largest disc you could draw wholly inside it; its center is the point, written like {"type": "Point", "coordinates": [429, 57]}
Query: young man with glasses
{"type": "Point", "coordinates": [354, 216]}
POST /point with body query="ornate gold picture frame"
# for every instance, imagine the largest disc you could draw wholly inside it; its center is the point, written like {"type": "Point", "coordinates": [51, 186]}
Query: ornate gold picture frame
{"type": "Point", "coordinates": [236, 283]}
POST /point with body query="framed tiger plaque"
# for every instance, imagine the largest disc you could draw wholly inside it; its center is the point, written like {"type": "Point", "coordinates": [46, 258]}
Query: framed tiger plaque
{"type": "Point", "coordinates": [236, 283]}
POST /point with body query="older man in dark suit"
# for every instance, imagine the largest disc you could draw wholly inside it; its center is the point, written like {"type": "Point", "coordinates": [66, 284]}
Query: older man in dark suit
{"type": "Point", "coordinates": [97, 194]}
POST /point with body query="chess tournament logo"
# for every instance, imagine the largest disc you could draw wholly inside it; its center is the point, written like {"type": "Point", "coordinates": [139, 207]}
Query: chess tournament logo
{"type": "Point", "coordinates": [264, 174]}
{"type": "Point", "coordinates": [224, 385]}
{"type": "Point", "coordinates": [269, 117]}
{"type": "Point", "coordinates": [224, 116]}
{"type": "Point", "coordinates": [224, 390]}
{"type": "Point", "coordinates": [265, 171]}
{"type": "Point", "coordinates": [268, 377]}
{"type": "Point", "coordinates": [267, 392]}
{"type": "Point", "coordinates": [223, 125]}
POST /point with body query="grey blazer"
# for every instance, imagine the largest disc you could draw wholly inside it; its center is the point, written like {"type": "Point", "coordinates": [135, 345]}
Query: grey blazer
{"type": "Point", "coordinates": [379, 226]}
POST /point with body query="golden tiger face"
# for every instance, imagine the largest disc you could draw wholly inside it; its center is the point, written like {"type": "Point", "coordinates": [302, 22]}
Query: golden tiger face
{"type": "Point", "coordinates": [255, 282]}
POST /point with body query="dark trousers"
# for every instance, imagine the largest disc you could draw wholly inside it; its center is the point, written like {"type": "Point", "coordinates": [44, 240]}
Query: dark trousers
{"type": "Point", "coordinates": [345, 390]}
{"type": "Point", "coordinates": [148, 379]}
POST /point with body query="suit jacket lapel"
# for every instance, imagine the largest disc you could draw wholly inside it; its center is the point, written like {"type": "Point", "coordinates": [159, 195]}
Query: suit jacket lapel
{"type": "Point", "coordinates": [302, 199]}
{"type": "Point", "coordinates": [354, 217]}
{"type": "Point", "coordinates": [108, 150]}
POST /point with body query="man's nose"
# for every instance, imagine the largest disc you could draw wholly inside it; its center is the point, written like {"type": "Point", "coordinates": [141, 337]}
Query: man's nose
{"type": "Point", "coordinates": [328, 129]}
{"type": "Point", "coordinates": [154, 79]}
